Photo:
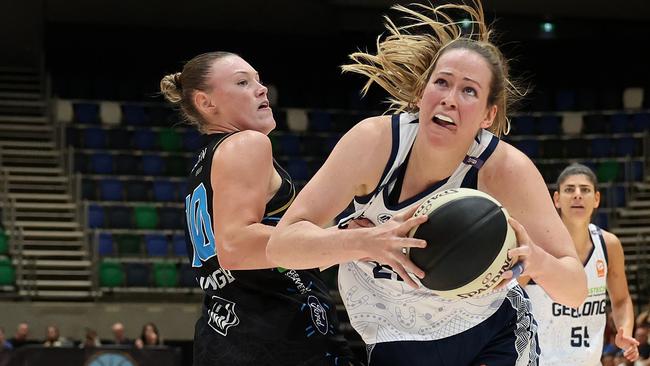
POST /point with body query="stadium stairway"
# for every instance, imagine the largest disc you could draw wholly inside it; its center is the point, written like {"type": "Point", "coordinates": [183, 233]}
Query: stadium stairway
{"type": "Point", "coordinates": [633, 229]}
{"type": "Point", "coordinates": [39, 209]}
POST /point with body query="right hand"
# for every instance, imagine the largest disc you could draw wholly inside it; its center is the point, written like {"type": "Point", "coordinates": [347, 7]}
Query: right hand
{"type": "Point", "coordinates": [385, 244]}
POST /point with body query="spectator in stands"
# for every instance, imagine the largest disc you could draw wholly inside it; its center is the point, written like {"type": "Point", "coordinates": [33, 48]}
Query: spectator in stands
{"type": "Point", "coordinates": [119, 338]}
{"type": "Point", "coordinates": [149, 336]}
{"type": "Point", "coordinates": [576, 335]}
{"type": "Point", "coordinates": [20, 337]}
{"type": "Point", "coordinates": [454, 91]}
{"type": "Point", "coordinates": [236, 194]}
{"type": "Point", "coordinates": [4, 344]}
{"type": "Point", "coordinates": [91, 340]}
{"type": "Point", "coordinates": [53, 338]}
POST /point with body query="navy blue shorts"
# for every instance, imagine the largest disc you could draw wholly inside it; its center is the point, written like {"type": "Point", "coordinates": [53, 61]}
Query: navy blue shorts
{"type": "Point", "coordinates": [507, 338]}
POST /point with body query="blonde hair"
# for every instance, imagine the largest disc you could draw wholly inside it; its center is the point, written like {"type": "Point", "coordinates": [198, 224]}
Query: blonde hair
{"type": "Point", "coordinates": [179, 88]}
{"type": "Point", "coordinates": [406, 57]}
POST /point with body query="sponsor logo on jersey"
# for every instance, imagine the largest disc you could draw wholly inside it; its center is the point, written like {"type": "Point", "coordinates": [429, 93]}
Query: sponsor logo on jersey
{"type": "Point", "coordinates": [222, 315]}
{"type": "Point", "coordinates": [383, 217]}
{"type": "Point", "coordinates": [295, 277]}
{"type": "Point", "coordinates": [600, 268]}
{"type": "Point", "coordinates": [217, 280]}
{"type": "Point", "coordinates": [595, 307]}
{"type": "Point", "coordinates": [318, 314]}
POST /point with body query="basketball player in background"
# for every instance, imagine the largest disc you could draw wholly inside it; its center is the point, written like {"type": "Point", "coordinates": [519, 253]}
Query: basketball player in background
{"type": "Point", "coordinates": [453, 91]}
{"type": "Point", "coordinates": [574, 336]}
{"type": "Point", "coordinates": [254, 313]}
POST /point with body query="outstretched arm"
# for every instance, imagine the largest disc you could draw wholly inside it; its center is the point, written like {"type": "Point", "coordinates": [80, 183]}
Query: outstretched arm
{"type": "Point", "coordinates": [545, 245]}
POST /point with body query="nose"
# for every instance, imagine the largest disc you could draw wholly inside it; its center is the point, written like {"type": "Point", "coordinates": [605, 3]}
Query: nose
{"type": "Point", "coordinates": [448, 100]}
{"type": "Point", "coordinates": [262, 90]}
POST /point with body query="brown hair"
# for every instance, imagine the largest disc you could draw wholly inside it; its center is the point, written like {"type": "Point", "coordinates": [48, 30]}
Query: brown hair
{"type": "Point", "coordinates": [406, 58]}
{"type": "Point", "coordinates": [178, 88]}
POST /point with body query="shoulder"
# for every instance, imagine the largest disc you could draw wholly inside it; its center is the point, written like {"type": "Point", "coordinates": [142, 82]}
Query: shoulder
{"type": "Point", "coordinates": [611, 241]}
{"type": "Point", "coordinates": [371, 129]}
{"type": "Point", "coordinates": [244, 145]}
{"type": "Point", "coordinates": [507, 164]}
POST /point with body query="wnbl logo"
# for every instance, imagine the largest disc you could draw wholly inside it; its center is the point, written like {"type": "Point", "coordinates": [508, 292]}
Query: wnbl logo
{"type": "Point", "coordinates": [222, 315]}
{"type": "Point", "coordinates": [383, 217]}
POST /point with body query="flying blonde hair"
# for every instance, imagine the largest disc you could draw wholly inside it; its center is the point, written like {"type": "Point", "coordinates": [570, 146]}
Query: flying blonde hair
{"type": "Point", "coordinates": [406, 57]}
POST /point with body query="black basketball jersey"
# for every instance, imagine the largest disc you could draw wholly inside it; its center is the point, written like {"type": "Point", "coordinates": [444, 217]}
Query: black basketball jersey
{"type": "Point", "coordinates": [255, 317]}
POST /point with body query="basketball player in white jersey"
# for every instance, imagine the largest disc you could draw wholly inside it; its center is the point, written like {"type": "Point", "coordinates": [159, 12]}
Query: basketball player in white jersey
{"type": "Point", "coordinates": [574, 336]}
{"type": "Point", "coordinates": [455, 92]}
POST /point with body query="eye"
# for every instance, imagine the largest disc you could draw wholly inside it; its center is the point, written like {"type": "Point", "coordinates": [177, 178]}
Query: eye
{"type": "Point", "coordinates": [469, 90]}
{"type": "Point", "coordinates": [242, 82]}
{"type": "Point", "coordinates": [441, 82]}
{"type": "Point", "coordinates": [568, 190]}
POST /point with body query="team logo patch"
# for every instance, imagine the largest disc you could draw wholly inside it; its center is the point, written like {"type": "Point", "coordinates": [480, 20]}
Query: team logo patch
{"type": "Point", "coordinates": [318, 314]}
{"type": "Point", "coordinates": [111, 358]}
{"type": "Point", "coordinates": [222, 315]}
{"type": "Point", "coordinates": [600, 268]}
{"type": "Point", "coordinates": [383, 217]}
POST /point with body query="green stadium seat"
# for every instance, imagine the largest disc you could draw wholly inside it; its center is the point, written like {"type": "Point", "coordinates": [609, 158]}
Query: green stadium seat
{"type": "Point", "coordinates": [146, 217]}
{"type": "Point", "coordinates": [128, 244]}
{"type": "Point", "coordinates": [170, 140]}
{"type": "Point", "coordinates": [165, 274]}
{"type": "Point", "coordinates": [111, 274]}
{"type": "Point", "coordinates": [4, 242]}
{"type": "Point", "coordinates": [7, 272]}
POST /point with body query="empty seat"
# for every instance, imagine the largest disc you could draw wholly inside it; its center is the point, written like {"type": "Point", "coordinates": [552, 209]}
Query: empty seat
{"type": "Point", "coordinates": [586, 100]}
{"type": "Point", "coordinates": [4, 242]}
{"type": "Point", "coordinates": [152, 165]}
{"type": "Point", "coordinates": [191, 140]}
{"type": "Point", "coordinates": [549, 125]}
{"type": "Point", "coordinates": [320, 121]}
{"type": "Point", "coordinates": [111, 190]}
{"type": "Point", "coordinates": [595, 123]}
{"type": "Point", "coordinates": [179, 247]}
{"type": "Point", "coordinates": [138, 190]}
{"type": "Point", "coordinates": [111, 274]}
{"type": "Point", "coordinates": [105, 244]}
{"type": "Point", "coordinates": [601, 147]}
{"type": "Point", "coordinates": [127, 164]}
{"type": "Point", "coordinates": [110, 113]}
{"type": "Point", "coordinates": [610, 98]}
{"type": "Point", "coordinates": [156, 245]}
{"type": "Point", "coordinates": [137, 275]}
{"type": "Point", "coordinates": [94, 138]}
{"type": "Point", "coordinates": [633, 98]}
{"type": "Point", "coordinates": [144, 139]}
{"type": "Point", "coordinates": [86, 113]}
{"type": "Point", "coordinates": [529, 147]}
{"type": "Point", "coordinates": [95, 216]}
{"type": "Point", "coordinates": [638, 171]}
{"type": "Point", "coordinates": [565, 100]}
{"type": "Point", "coordinates": [627, 146]}
{"type": "Point", "coordinates": [118, 217]}
{"type": "Point", "coordinates": [186, 276]}
{"type": "Point", "coordinates": [601, 219]}
{"type": "Point", "coordinates": [289, 144]}
{"type": "Point", "coordinates": [523, 125]}
{"type": "Point", "coordinates": [119, 138]}
{"type": "Point", "coordinates": [552, 148]}
{"type": "Point", "coordinates": [162, 116]}
{"type": "Point", "coordinates": [133, 114]}
{"type": "Point", "coordinates": [298, 169]}
{"type": "Point", "coordinates": [169, 139]}
{"type": "Point", "coordinates": [146, 217]}
{"type": "Point", "coordinates": [171, 218]}
{"type": "Point", "coordinates": [88, 189]}
{"type": "Point", "coordinates": [297, 119]}
{"type": "Point", "coordinates": [640, 122]}
{"type": "Point", "coordinates": [165, 274]}
{"type": "Point", "coordinates": [620, 123]}
{"type": "Point", "coordinates": [177, 166]}
{"type": "Point", "coordinates": [101, 163]}
{"type": "Point", "coordinates": [575, 148]}
{"type": "Point", "coordinates": [572, 123]}
{"type": "Point", "coordinates": [164, 190]}
{"type": "Point", "coordinates": [607, 171]}
{"type": "Point", "coordinates": [128, 244]}
{"type": "Point", "coordinates": [64, 111]}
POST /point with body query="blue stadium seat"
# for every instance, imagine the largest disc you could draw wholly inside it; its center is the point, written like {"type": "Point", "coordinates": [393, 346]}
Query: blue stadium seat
{"type": "Point", "coordinates": [640, 122]}
{"type": "Point", "coordinates": [138, 275]}
{"type": "Point", "coordinates": [186, 276]}
{"type": "Point", "coordinates": [156, 245]}
{"type": "Point", "coordinates": [152, 165]}
{"type": "Point", "coordinates": [94, 138]}
{"type": "Point", "coordinates": [565, 100]}
{"type": "Point", "coordinates": [95, 216]}
{"type": "Point", "coordinates": [111, 190]}
{"type": "Point", "coordinates": [87, 113]}
{"type": "Point", "coordinates": [171, 218]}
{"type": "Point", "coordinates": [179, 245]}
{"type": "Point", "coordinates": [298, 169]}
{"type": "Point", "coordinates": [319, 121]}
{"type": "Point", "coordinates": [289, 144]}
{"type": "Point", "coordinates": [144, 139]}
{"type": "Point", "coordinates": [626, 146]}
{"type": "Point", "coordinates": [101, 163]}
{"type": "Point", "coordinates": [105, 245]}
{"type": "Point", "coordinates": [529, 147]}
{"type": "Point", "coordinates": [133, 114]}
{"type": "Point", "coordinates": [601, 219]}
{"type": "Point", "coordinates": [164, 190]}
{"type": "Point", "coordinates": [72, 137]}
{"type": "Point", "coordinates": [638, 171]}
{"type": "Point", "coordinates": [523, 125]}
{"type": "Point", "coordinates": [182, 189]}
{"type": "Point", "coordinates": [601, 147]}
{"type": "Point", "coordinates": [191, 140]}
{"type": "Point", "coordinates": [549, 125]}
{"type": "Point", "coordinates": [620, 123]}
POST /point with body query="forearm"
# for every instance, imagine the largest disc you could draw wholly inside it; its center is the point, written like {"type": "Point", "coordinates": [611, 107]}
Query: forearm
{"type": "Point", "coordinates": [623, 315]}
{"type": "Point", "coordinates": [563, 279]}
{"type": "Point", "coordinates": [305, 245]}
{"type": "Point", "coordinates": [246, 248]}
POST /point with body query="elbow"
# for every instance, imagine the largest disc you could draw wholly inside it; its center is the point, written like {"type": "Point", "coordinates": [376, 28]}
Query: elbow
{"type": "Point", "coordinates": [274, 250]}
{"type": "Point", "coordinates": [228, 257]}
{"type": "Point", "coordinates": [580, 295]}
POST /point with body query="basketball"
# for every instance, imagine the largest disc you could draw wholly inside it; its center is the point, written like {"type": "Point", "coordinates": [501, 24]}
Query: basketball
{"type": "Point", "coordinates": [468, 237]}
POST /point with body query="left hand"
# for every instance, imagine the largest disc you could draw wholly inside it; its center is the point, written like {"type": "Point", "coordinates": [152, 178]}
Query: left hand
{"type": "Point", "coordinates": [628, 344]}
{"type": "Point", "coordinates": [526, 253]}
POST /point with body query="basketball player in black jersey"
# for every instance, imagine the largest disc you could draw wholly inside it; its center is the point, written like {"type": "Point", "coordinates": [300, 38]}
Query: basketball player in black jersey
{"type": "Point", "coordinates": [253, 312]}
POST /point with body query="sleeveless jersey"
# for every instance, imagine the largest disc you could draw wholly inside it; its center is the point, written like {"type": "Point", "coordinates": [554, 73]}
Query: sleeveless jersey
{"type": "Point", "coordinates": [569, 336]}
{"type": "Point", "coordinates": [261, 317]}
{"type": "Point", "coordinates": [381, 307]}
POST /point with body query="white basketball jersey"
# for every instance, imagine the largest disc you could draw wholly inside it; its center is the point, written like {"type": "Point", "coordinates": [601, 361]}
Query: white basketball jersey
{"type": "Point", "coordinates": [381, 307]}
{"type": "Point", "coordinates": [569, 336]}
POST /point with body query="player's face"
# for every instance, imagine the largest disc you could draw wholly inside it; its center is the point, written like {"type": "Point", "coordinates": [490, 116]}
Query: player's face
{"type": "Point", "coordinates": [454, 103]}
{"type": "Point", "coordinates": [239, 97]}
{"type": "Point", "coordinates": [577, 197]}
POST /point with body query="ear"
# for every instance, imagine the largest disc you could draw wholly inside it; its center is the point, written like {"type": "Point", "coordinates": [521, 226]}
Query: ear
{"type": "Point", "coordinates": [489, 116]}
{"type": "Point", "coordinates": [556, 199]}
{"type": "Point", "coordinates": [597, 199]}
{"type": "Point", "coordinates": [203, 103]}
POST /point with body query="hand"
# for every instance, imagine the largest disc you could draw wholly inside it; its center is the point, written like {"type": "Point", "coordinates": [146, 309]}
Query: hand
{"type": "Point", "coordinates": [526, 252]}
{"type": "Point", "coordinates": [385, 244]}
{"type": "Point", "coordinates": [628, 344]}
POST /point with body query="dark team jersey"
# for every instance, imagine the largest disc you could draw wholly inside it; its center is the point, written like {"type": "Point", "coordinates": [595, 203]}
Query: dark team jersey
{"type": "Point", "coordinates": [255, 317]}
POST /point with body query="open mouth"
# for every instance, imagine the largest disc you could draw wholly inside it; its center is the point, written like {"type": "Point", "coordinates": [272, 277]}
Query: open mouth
{"type": "Point", "coordinates": [263, 105]}
{"type": "Point", "coordinates": [444, 121]}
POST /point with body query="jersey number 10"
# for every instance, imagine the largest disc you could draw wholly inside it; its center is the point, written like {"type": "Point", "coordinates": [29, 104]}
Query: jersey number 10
{"type": "Point", "coordinates": [199, 225]}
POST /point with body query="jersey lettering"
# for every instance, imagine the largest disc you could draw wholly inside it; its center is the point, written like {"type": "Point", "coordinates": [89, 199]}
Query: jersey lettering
{"type": "Point", "coordinates": [199, 225]}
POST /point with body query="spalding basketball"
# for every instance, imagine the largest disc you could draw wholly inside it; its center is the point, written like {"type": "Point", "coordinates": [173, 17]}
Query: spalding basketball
{"type": "Point", "coordinates": [468, 237]}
